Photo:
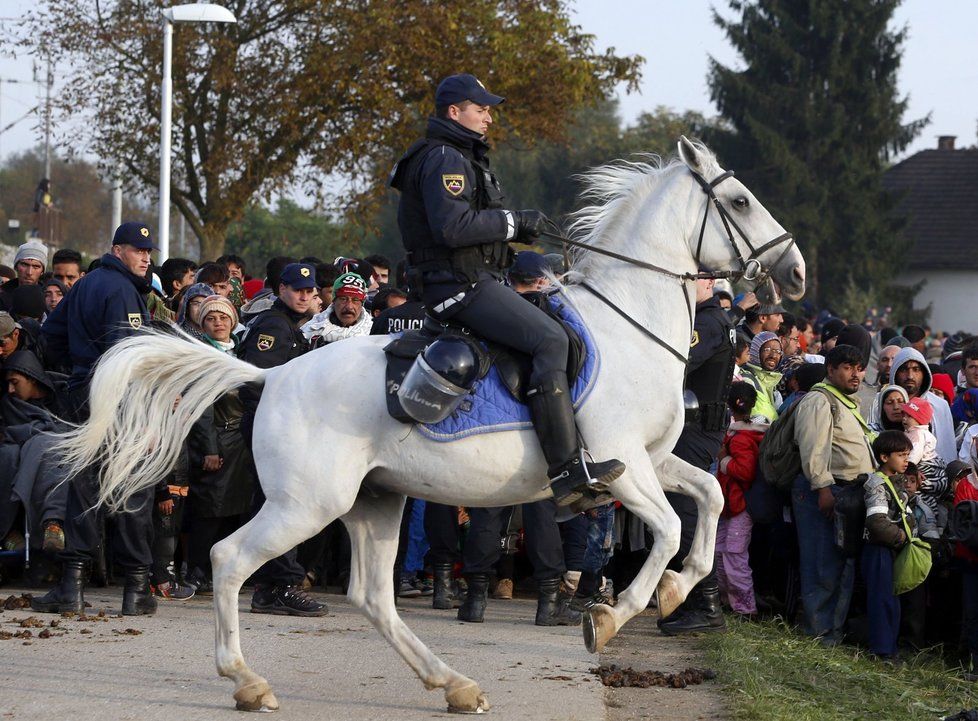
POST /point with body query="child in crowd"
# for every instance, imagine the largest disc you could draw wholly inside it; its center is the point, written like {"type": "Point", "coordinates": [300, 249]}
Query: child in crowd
{"type": "Point", "coordinates": [741, 356]}
{"type": "Point", "coordinates": [735, 472]}
{"type": "Point", "coordinates": [884, 535]}
{"type": "Point", "coordinates": [917, 415]}
{"type": "Point", "coordinates": [913, 603]}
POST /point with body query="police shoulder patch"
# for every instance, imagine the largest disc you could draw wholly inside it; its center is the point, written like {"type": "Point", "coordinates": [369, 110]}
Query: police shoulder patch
{"type": "Point", "coordinates": [454, 184]}
{"type": "Point", "coordinates": [135, 320]}
{"type": "Point", "coordinates": [265, 342]}
{"type": "Point", "coordinates": [695, 340]}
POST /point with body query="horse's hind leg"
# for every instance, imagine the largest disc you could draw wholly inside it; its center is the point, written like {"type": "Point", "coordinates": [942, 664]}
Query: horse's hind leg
{"type": "Point", "coordinates": [373, 523]}
{"type": "Point", "coordinates": [678, 476]}
{"type": "Point", "coordinates": [638, 489]}
{"type": "Point", "coordinates": [273, 531]}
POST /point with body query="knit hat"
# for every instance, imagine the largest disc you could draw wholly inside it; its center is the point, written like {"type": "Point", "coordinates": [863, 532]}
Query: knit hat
{"type": "Point", "coordinates": [27, 301]}
{"type": "Point", "coordinates": [943, 383]}
{"type": "Point", "coordinates": [7, 324]}
{"type": "Point", "coordinates": [919, 409]}
{"type": "Point", "coordinates": [350, 285]}
{"type": "Point", "coordinates": [221, 305]}
{"type": "Point", "coordinates": [859, 338]}
{"type": "Point", "coordinates": [899, 341]}
{"type": "Point", "coordinates": [32, 250]}
{"type": "Point", "coordinates": [754, 355]}
{"type": "Point", "coordinates": [832, 328]}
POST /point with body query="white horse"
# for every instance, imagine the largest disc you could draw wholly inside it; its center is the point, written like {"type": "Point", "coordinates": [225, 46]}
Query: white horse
{"type": "Point", "coordinates": [324, 449]}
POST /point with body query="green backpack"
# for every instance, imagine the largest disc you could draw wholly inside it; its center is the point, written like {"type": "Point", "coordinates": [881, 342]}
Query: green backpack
{"type": "Point", "coordinates": [780, 460]}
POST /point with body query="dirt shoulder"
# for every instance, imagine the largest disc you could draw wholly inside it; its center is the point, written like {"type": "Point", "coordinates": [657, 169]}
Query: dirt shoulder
{"type": "Point", "coordinates": [640, 645]}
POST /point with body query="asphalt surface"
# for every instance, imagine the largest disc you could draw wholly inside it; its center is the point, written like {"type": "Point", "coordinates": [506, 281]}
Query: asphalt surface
{"type": "Point", "coordinates": [337, 667]}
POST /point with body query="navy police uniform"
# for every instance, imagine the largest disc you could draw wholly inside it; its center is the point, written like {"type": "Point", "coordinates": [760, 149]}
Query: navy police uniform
{"type": "Point", "coordinates": [274, 337]}
{"type": "Point", "coordinates": [709, 375]}
{"type": "Point", "coordinates": [456, 233]}
{"type": "Point", "coordinates": [102, 308]}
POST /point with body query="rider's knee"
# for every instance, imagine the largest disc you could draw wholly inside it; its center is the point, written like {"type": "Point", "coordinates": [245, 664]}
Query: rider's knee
{"type": "Point", "coordinates": [553, 343]}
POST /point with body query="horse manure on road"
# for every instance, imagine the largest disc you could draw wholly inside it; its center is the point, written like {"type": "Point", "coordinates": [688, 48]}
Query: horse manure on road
{"type": "Point", "coordinates": [617, 677]}
{"type": "Point", "coordinates": [15, 603]}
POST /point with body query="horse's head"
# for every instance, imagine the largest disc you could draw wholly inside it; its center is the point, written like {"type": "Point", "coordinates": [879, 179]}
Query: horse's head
{"type": "Point", "coordinates": [733, 231]}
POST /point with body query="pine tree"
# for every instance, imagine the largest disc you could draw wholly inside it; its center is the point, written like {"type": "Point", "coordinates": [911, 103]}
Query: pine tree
{"type": "Point", "coordinates": [815, 116]}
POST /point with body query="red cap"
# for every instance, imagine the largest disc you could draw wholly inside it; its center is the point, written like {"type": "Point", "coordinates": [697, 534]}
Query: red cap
{"type": "Point", "coordinates": [253, 287]}
{"type": "Point", "coordinates": [919, 409]}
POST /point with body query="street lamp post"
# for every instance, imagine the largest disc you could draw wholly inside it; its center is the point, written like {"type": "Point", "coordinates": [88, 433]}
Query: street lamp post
{"type": "Point", "coordinates": [193, 13]}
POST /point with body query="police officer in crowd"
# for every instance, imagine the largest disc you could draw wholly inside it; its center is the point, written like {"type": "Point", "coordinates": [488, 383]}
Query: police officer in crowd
{"type": "Point", "coordinates": [482, 548]}
{"type": "Point", "coordinates": [456, 232]}
{"type": "Point", "coordinates": [103, 307]}
{"type": "Point", "coordinates": [709, 374]}
{"type": "Point", "coordinates": [274, 337]}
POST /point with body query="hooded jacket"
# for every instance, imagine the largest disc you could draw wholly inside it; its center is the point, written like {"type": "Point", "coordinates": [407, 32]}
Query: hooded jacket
{"type": "Point", "coordinates": [738, 464]}
{"type": "Point", "coordinates": [942, 424]}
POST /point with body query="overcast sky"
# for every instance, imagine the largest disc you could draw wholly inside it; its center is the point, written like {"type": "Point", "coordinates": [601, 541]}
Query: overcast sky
{"type": "Point", "coordinates": [939, 71]}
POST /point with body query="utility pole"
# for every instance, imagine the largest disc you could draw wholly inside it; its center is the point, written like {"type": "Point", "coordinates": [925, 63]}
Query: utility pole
{"type": "Point", "coordinates": [116, 199]}
{"type": "Point", "coordinates": [48, 82]}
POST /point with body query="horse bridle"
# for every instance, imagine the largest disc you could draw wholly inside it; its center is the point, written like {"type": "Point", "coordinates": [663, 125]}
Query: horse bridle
{"type": "Point", "coordinates": [751, 268]}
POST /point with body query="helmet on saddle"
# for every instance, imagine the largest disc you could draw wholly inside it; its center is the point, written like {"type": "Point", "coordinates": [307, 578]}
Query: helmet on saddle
{"type": "Point", "coordinates": [440, 378]}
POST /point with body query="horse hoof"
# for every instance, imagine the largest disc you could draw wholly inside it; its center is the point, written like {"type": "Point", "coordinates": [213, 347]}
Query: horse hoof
{"type": "Point", "coordinates": [257, 697]}
{"type": "Point", "coordinates": [667, 595]}
{"type": "Point", "coordinates": [467, 698]}
{"type": "Point", "coordinates": [599, 627]}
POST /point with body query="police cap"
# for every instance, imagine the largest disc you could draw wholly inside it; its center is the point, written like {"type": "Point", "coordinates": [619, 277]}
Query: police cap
{"type": "Point", "coordinates": [299, 275]}
{"type": "Point", "coordinates": [529, 265]}
{"type": "Point", "coordinates": [457, 88]}
{"type": "Point", "coordinates": [135, 234]}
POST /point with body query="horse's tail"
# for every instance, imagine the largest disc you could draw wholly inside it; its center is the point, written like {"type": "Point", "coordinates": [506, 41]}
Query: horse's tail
{"type": "Point", "coordinates": [134, 433]}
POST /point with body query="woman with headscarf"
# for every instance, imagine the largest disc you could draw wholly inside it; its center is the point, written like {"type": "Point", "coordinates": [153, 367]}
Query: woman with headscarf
{"type": "Point", "coordinates": [189, 306]}
{"type": "Point", "coordinates": [887, 411]}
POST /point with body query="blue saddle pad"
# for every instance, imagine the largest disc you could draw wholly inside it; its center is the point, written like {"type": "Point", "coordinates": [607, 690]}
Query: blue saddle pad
{"type": "Point", "coordinates": [490, 407]}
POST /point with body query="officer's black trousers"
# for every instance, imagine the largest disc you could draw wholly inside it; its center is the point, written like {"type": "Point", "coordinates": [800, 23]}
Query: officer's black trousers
{"type": "Point", "coordinates": [499, 314]}
{"type": "Point", "coordinates": [132, 540]}
{"type": "Point", "coordinates": [543, 544]}
{"type": "Point", "coordinates": [441, 528]}
{"type": "Point", "coordinates": [699, 448]}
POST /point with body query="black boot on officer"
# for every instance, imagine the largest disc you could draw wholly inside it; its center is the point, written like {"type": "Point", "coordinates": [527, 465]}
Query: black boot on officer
{"type": "Point", "coordinates": [573, 478]}
{"type": "Point", "coordinates": [700, 612]}
{"type": "Point", "coordinates": [69, 595]}
{"type": "Point", "coordinates": [474, 606]}
{"type": "Point", "coordinates": [137, 596]}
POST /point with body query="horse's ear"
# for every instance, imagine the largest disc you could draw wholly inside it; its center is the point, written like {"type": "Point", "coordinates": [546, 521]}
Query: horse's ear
{"type": "Point", "coordinates": [689, 154]}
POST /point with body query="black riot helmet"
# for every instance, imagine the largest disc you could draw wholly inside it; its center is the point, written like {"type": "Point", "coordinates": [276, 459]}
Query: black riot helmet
{"type": "Point", "coordinates": [454, 359]}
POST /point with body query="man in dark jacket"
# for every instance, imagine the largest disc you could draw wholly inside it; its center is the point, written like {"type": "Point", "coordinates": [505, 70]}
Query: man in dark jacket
{"type": "Point", "coordinates": [274, 338]}
{"type": "Point", "coordinates": [103, 308]}
{"type": "Point", "coordinates": [709, 374]}
{"type": "Point", "coordinates": [457, 232]}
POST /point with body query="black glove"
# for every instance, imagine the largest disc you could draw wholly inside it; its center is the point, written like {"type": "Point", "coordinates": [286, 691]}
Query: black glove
{"type": "Point", "coordinates": [530, 224]}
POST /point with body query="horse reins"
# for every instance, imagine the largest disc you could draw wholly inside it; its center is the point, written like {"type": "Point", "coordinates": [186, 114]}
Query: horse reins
{"type": "Point", "coordinates": [751, 269]}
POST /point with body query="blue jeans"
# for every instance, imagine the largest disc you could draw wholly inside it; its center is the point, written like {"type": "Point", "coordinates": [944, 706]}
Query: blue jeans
{"type": "Point", "coordinates": [826, 575]}
{"type": "Point", "coordinates": [882, 607]}
{"type": "Point", "coordinates": [600, 527]}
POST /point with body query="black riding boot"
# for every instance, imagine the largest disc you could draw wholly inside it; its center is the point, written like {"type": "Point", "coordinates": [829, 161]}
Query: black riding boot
{"type": "Point", "coordinates": [474, 606]}
{"type": "Point", "coordinates": [572, 478]}
{"type": "Point", "coordinates": [701, 611]}
{"type": "Point", "coordinates": [137, 596]}
{"type": "Point", "coordinates": [66, 596]}
{"type": "Point", "coordinates": [444, 596]}
{"type": "Point", "coordinates": [547, 608]}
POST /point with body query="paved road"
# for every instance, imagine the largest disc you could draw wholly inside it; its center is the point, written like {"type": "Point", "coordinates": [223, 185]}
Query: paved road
{"type": "Point", "coordinates": [333, 668]}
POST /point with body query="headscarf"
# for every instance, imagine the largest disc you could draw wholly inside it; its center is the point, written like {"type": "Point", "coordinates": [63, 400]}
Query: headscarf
{"type": "Point", "coordinates": [194, 291]}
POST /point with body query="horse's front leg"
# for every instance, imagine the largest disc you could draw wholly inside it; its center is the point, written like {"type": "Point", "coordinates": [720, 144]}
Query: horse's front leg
{"type": "Point", "coordinates": [678, 476]}
{"type": "Point", "coordinates": [374, 524]}
{"type": "Point", "coordinates": [638, 489]}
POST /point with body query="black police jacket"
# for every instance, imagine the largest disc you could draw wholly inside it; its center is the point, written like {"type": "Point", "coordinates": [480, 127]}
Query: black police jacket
{"type": "Point", "coordinates": [407, 316]}
{"type": "Point", "coordinates": [101, 309]}
{"type": "Point", "coordinates": [450, 214]}
{"type": "Point", "coordinates": [273, 338]}
{"type": "Point", "coordinates": [711, 361]}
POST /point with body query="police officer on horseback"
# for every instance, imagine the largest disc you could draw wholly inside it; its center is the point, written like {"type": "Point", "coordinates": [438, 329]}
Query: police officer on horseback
{"type": "Point", "coordinates": [457, 231]}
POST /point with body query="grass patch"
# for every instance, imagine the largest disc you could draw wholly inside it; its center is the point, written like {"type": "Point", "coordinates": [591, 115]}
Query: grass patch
{"type": "Point", "coordinates": [770, 671]}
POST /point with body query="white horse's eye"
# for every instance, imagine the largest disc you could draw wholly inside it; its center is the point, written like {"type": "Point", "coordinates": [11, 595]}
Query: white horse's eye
{"type": "Point", "coordinates": [741, 202]}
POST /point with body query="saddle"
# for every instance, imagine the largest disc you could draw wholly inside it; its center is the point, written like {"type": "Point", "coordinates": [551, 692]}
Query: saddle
{"type": "Point", "coordinates": [512, 366]}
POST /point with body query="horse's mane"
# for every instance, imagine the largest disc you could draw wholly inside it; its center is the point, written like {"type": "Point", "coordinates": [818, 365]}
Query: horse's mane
{"type": "Point", "coordinates": [612, 190]}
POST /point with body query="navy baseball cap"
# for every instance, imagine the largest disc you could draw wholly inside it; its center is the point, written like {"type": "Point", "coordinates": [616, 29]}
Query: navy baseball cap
{"type": "Point", "coordinates": [457, 88]}
{"type": "Point", "coordinates": [137, 235]}
{"type": "Point", "coordinates": [299, 275]}
{"type": "Point", "coordinates": [529, 265]}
